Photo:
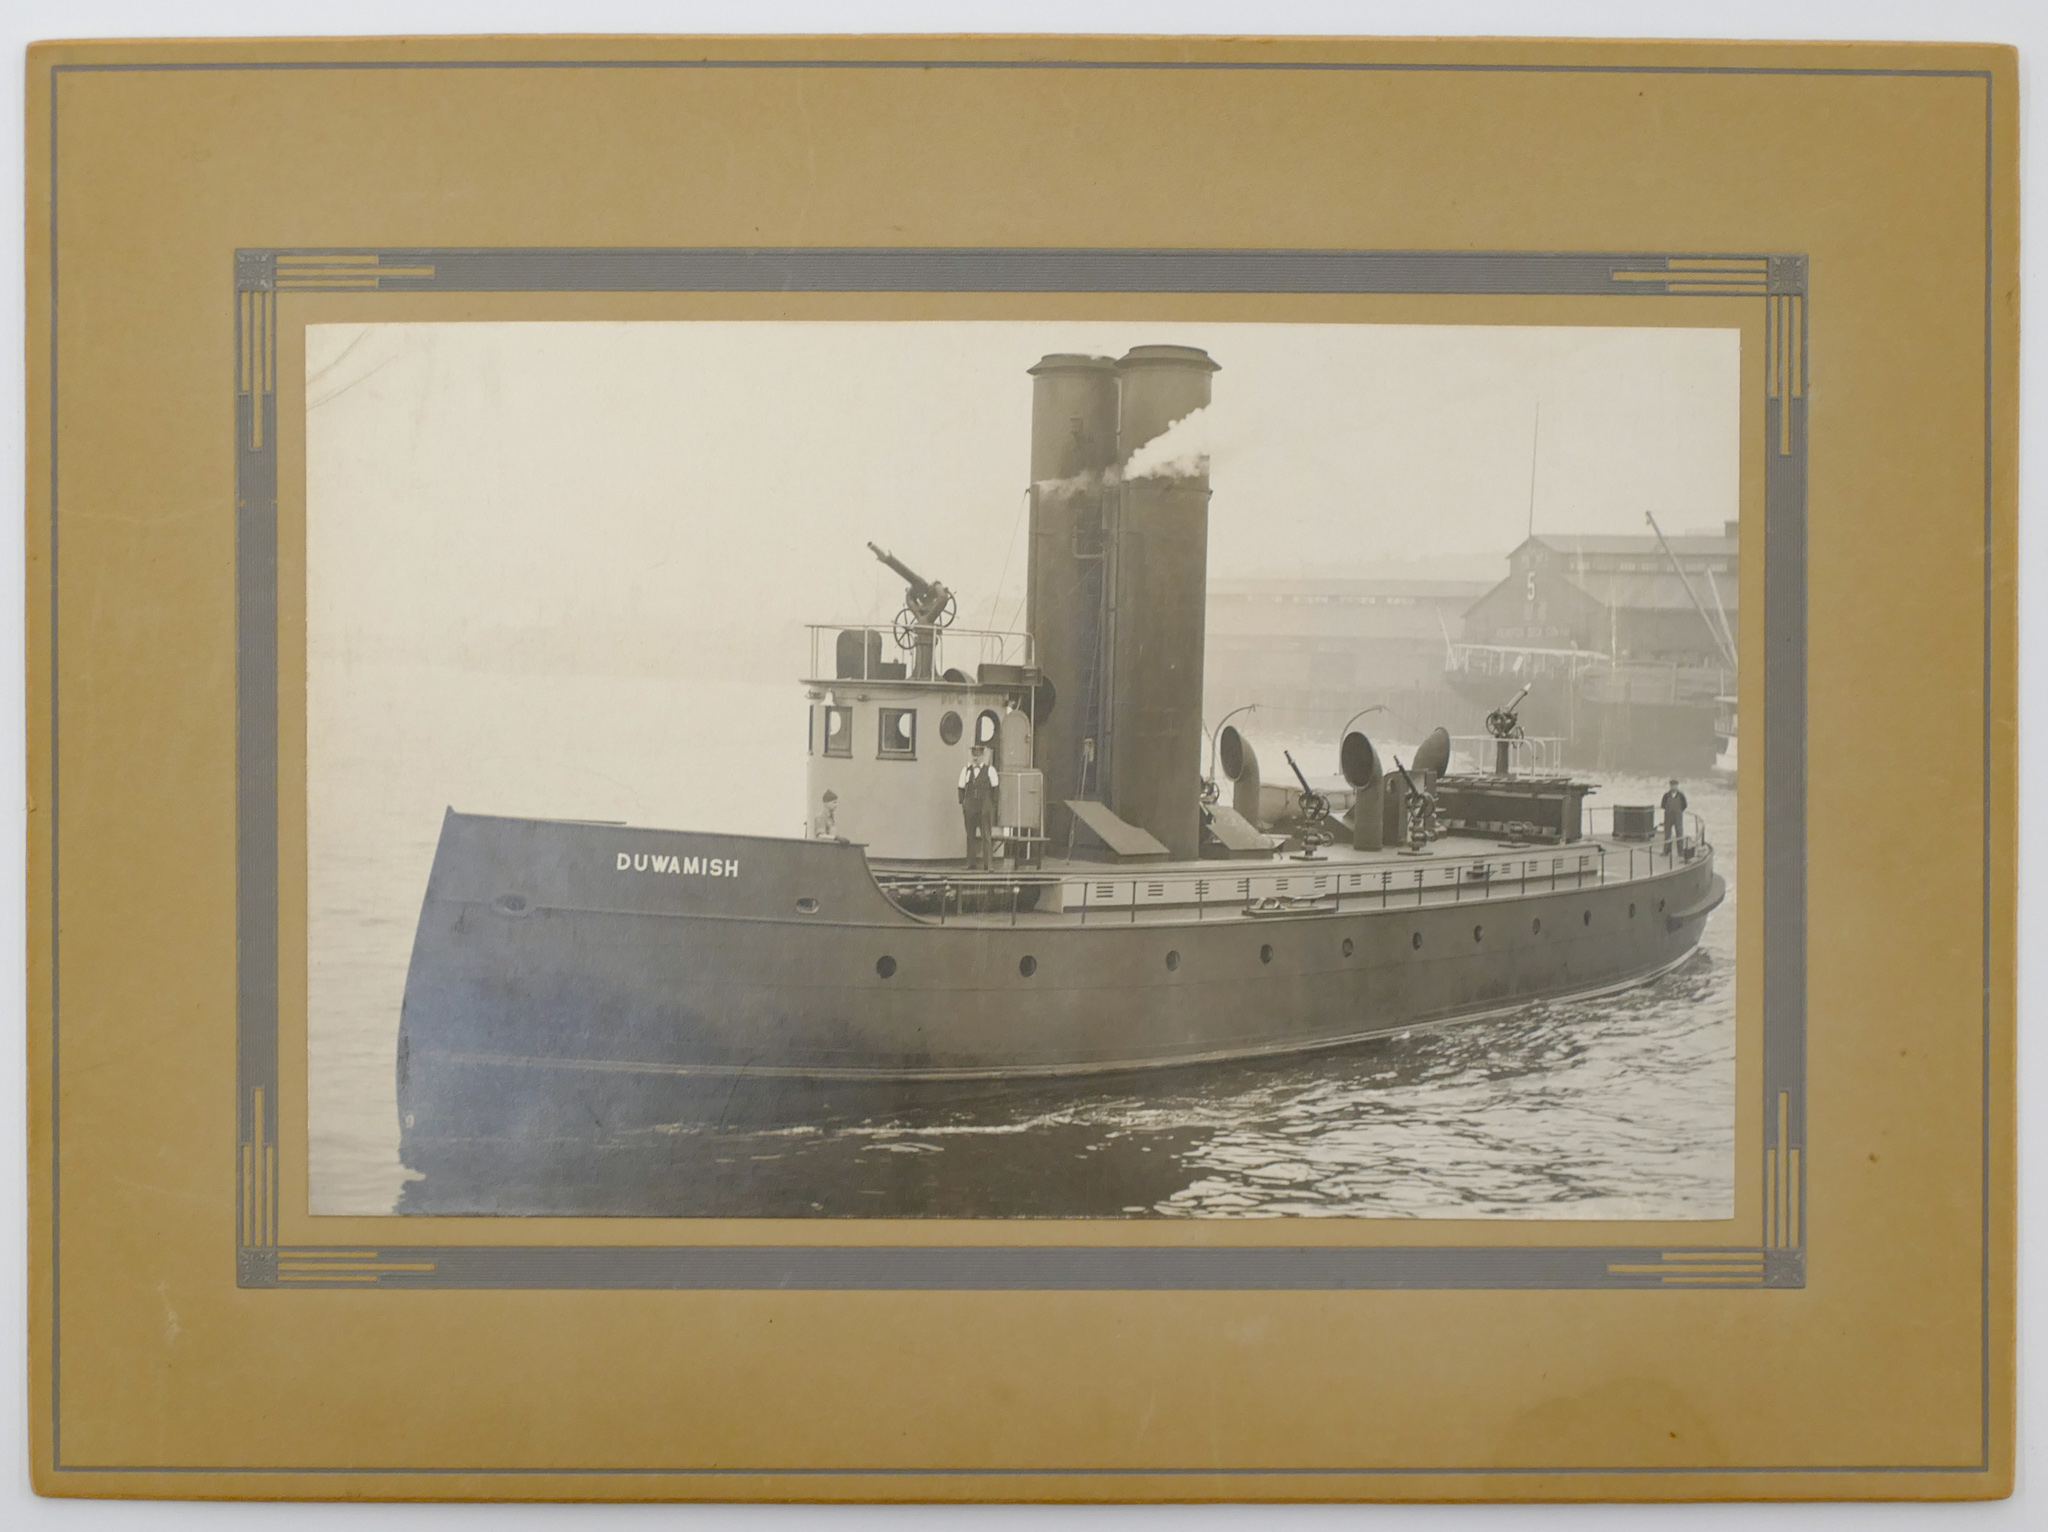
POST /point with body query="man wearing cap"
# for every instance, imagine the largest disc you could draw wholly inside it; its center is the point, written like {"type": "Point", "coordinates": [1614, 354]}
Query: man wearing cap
{"type": "Point", "coordinates": [1673, 804]}
{"type": "Point", "coordinates": [978, 806]}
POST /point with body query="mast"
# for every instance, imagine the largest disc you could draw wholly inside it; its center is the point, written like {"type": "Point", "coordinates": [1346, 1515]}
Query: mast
{"type": "Point", "coordinates": [1535, 435]}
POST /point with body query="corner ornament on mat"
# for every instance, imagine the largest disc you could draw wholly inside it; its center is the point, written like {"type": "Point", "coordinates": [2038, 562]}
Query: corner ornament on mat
{"type": "Point", "coordinates": [256, 1200]}
{"type": "Point", "coordinates": [1782, 1230]}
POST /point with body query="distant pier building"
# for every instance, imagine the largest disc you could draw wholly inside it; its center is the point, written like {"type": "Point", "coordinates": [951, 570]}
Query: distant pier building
{"type": "Point", "coordinates": [1313, 652]}
{"type": "Point", "coordinates": [1628, 642]}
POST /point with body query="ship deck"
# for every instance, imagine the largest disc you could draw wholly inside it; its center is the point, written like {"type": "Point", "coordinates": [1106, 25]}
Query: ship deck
{"type": "Point", "coordinates": [1337, 879]}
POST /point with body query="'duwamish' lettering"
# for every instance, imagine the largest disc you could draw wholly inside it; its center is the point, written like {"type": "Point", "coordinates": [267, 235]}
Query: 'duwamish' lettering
{"type": "Point", "coordinates": [681, 867]}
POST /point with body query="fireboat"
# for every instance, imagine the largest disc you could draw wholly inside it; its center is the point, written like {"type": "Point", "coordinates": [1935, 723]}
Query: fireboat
{"type": "Point", "coordinates": [571, 979]}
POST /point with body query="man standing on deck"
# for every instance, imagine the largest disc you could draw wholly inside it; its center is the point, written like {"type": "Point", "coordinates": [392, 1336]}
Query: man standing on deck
{"type": "Point", "coordinates": [978, 806]}
{"type": "Point", "coordinates": [1673, 804]}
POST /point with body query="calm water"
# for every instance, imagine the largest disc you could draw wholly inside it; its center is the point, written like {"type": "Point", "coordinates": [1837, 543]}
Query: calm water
{"type": "Point", "coordinates": [1619, 1108]}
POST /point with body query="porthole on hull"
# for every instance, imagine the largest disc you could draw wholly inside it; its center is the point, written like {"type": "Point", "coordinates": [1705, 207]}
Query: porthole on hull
{"type": "Point", "coordinates": [1415, 941]}
{"type": "Point", "coordinates": [1266, 954]}
{"type": "Point", "coordinates": [885, 966]}
{"type": "Point", "coordinates": [1347, 946]}
{"type": "Point", "coordinates": [1027, 965]}
{"type": "Point", "coordinates": [1536, 928]}
{"type": "Point", "coordinates": [1172, 961]}
{"type": "Point", "coordinates": [1587, 918]}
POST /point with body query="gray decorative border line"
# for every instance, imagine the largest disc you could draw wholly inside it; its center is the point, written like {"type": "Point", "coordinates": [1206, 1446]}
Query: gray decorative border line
{"type": "Point", "coordinates": [263, 1123]}
{"type": "Point", "coordinates": [1777, 281]}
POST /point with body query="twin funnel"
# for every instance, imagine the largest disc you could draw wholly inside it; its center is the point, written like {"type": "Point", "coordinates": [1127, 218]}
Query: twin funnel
{"type": "Point", "coordinates": [1117, 588]}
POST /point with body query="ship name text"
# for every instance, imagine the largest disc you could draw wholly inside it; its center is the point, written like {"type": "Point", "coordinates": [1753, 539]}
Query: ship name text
{"type": "Point", "coordinates": [682, 867]}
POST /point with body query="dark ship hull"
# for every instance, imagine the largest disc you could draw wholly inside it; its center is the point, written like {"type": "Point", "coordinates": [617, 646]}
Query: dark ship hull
{"type": "Point", "coordinates": [569, 981]}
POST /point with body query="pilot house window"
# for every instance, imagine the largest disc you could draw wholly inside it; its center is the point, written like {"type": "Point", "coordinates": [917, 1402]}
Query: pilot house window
{"type": "Point", "coordinates": [899, 733]}
{"type": "Point", "coordinates": [839, 731]}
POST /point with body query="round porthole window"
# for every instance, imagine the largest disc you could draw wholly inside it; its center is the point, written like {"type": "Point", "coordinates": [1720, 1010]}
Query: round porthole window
{"type": "Point", "coordinates": [1631, 912]}
{"type": "Point", "coordinates": [1265, 954]}
{"type": "Point", "coordinates": [1347, 946]}
{"type": "Point", "coordinates": [950, 728]}
{"type": "Point", "coordinates": [1027, 965]}
{"type": "Point", "coordinates": [885, 966]}
{"type": "Point", "coordinates": [1535, 928]}
{"type": "Point", "coordinates": [1478, 932]}
{"type": "Point", "coordinates": [1415, 941]}
{"type": "Point", "coordinates": [1172, 961]}
{"type": "Point", "coordinates": [1587, 918]}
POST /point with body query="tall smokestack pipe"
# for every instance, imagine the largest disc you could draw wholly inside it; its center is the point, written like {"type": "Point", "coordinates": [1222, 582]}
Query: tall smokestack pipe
{"type": "Point", "coordinates": [1073, 449]}
{"type": "Point", "coordinates": [1158, 584]}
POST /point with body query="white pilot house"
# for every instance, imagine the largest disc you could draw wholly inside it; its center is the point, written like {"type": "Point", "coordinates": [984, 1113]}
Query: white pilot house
{"type": "Point", "coordinates": [889, 738]}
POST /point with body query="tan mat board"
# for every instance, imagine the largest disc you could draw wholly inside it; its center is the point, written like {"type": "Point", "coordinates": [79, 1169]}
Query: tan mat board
{"type": "Point", "coordinates": [1842, 1327]}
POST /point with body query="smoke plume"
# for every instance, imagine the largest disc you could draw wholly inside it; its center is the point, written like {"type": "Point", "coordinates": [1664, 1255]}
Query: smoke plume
{"type": "Point", "coordinates": [1081, 483]}
{"type": "Point", "coordinates": [1180, 451]}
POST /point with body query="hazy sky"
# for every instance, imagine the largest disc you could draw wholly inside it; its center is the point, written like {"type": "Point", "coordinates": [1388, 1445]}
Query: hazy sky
{"type": "Point", "coordinates": [714, 475]}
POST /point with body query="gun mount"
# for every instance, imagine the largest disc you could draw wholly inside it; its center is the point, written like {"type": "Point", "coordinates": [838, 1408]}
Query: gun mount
{"type": "Point", "coordinates": [1315, 828]}
{"type": "Point", "coordinates": [928, 608]}
{"type": "Point", "coordinates": [1505, 725]}
{"type": "Point", "coordinates": [1420, 808]}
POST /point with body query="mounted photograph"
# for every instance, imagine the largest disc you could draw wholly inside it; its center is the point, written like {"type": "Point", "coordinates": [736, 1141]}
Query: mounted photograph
{"type": "Point", "coordinates": [1021, 769]}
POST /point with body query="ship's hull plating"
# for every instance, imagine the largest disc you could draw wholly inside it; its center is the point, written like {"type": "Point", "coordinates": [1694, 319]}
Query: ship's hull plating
{"type": "Point", "coordinates": [569, 981]}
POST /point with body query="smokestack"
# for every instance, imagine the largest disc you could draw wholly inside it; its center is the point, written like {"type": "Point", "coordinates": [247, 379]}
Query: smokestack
{"type": "Point", "coordinates": [1073, 453]}
{"type": "Point", "coordinates": [1151, 752]}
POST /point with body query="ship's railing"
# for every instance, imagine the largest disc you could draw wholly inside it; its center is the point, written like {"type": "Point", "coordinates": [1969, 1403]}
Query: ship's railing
{"type": "Point", "coordinates": [1659, 845]}
{"type": "Point", "coordinates": [1124, 897]}
{"type": "Point", "coordinates": [963, 649]}
{"type": "Point", "coordinates": [1530, 754]}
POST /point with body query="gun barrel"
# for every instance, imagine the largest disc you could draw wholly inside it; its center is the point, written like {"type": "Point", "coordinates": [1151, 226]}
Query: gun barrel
{"type": "Point", "coordinates": [1297, 772]}
{"type": "Point", "coordinates": [916, 580]}
{"type": "Point", "coordinates": [1517, 702]}
{"type": "Point", "coordinates": [1412, 788]}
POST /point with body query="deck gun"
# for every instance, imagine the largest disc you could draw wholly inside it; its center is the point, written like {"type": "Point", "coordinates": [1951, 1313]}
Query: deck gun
{"type": "Point", "coordinates": [1421, 810]}
{"type": "Point", "coordinates": [928, 607]}
{"type": "Point", "coordinates": [1314, 813]}
{"type": "Point", "coordinates": [1505, 725]}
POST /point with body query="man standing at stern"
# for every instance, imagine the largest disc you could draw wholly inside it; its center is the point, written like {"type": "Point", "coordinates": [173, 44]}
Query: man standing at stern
{"type": "Point", "coordinates": [978, 805]}
{"type": "Point", "coordinates": [1673, 804]}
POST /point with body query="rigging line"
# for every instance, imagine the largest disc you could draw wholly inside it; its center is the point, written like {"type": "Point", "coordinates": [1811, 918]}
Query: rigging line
{"type": "Point", "coordinates": [1009, 552]}
{"type": "Point", "coordinates": [1535, 435]}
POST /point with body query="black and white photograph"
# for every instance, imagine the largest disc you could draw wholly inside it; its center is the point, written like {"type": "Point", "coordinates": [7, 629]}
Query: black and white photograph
{"type": "Point", "coordinates": [1022, 769]}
